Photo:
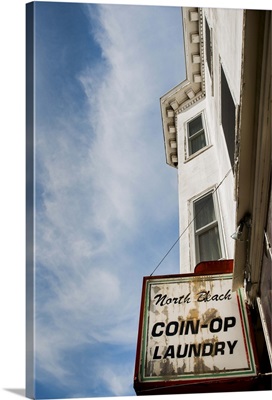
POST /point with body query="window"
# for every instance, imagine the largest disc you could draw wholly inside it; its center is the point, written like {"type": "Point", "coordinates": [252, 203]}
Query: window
{"type": "Point", "coordinates": [208, 46]}
{"type": "Point", "coordinates": [207, 238]}
{"type": "Point", "coordinates": [196, 135]}
{"type": "Point", "coordinates": [228, 115]}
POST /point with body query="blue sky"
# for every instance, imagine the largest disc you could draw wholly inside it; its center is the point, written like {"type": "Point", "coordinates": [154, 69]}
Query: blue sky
{"type": "Point", "coordinates": [106, 202]}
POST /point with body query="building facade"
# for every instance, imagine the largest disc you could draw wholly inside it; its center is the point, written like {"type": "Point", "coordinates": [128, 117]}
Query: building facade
{"type": "Point", "coordinates": [199, 119]}
{"type": "Point", "coordinates": [217, 133]}
{"type": "Point", "coordinates": [253, 255]}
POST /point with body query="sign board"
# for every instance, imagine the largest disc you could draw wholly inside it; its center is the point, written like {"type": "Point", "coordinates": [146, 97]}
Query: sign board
{"type": "Point", "coordinates": [193, 327]}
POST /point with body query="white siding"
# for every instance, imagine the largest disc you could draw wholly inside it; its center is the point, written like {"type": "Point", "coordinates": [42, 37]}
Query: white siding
{"type": "Point", "coordinates": [208, 168]}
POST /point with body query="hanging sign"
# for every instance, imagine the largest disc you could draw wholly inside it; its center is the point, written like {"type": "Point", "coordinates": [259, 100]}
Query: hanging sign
{"type": "Point", "coordinates": [192, 328]}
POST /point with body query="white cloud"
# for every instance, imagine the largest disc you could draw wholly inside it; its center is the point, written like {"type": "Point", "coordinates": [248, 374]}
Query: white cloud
{"type": "Point", "coordinates": [101, 194]}
{"type": "Point", "coordinates": [118, 380]}
{"type": "Point", "coordinates": [127, 155]}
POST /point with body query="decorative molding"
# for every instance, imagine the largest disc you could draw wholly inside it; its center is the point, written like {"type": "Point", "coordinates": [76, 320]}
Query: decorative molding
{"type": "Point", "coordinates": [190, 91]}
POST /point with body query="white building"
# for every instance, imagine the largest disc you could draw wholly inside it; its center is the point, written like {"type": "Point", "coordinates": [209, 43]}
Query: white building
{"type": "Point", "coordinates": [199, 118]}
{"type": "Point", "coordinates": [217, 133]}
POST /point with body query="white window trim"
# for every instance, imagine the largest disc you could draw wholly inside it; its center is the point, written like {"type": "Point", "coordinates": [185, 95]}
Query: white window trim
{"type": "Point", "coordinates": [187, 156]}
{"type": "Point", "coordinates": [192, 236]}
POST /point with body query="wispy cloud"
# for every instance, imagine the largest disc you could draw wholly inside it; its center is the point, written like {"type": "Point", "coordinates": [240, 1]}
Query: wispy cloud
{"type": "Point", "coordinates": [106, 201]}
{"type": "Point", "coordinates": [117, 378]}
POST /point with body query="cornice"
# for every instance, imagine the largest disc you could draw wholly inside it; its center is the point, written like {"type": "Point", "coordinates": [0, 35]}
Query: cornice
{"type": "Point", "coordinates": [192, 89]}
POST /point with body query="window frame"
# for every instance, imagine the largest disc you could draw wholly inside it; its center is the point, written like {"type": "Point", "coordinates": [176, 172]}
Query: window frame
{"type": "Point", "coordinates": [195, 251]}
{"type": "Point", "coordinates": [188, 139]}
{"type": "Point", "coordinates": [209, 51]}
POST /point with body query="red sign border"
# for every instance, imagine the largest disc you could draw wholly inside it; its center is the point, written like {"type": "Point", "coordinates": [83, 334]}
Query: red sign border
{"type": "Point", "coordinates": [193, 385]}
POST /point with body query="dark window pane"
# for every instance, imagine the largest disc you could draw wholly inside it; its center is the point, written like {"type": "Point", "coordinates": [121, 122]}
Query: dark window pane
{"type": "Point", "coordinates": [228, 115]}
{"type": "Point", "coordinates": [208, 45]}
{"type": "Point", "coordinates": [197, 143]}
{"type": "Point", "coordinates": [209, 245]}
{"type": "Point", "coordinates": [204, 211]}
{"type": "Point", "coordinates": [195, 125]}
